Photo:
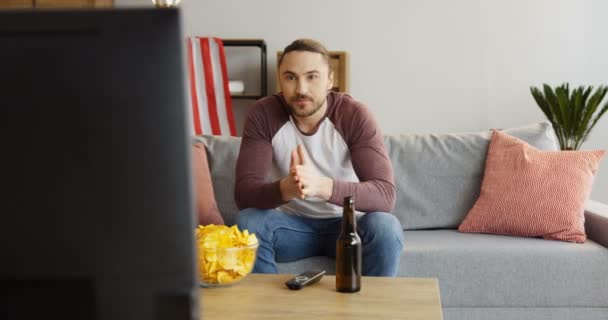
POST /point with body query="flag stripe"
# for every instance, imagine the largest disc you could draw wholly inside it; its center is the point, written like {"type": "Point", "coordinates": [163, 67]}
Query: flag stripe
{"type": "Point", "coordinates": [210, 88]}
{"type": "Point", "coordinates": [227, 97]}
{"type": "Point", "coordinates": [200, 81]}
{"type": "Point", "coordinates": [195, 114]}
{"type": "Point", "coordinates": [218, 80]}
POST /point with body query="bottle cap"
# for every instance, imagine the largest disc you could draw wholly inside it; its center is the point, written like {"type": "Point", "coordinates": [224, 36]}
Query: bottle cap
{"type": "Point", "coordinates": [349, 200]}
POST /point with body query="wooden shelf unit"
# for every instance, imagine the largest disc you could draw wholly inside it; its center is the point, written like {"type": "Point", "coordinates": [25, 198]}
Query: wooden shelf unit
{"type": "Point", "coordinates": [263, 69]}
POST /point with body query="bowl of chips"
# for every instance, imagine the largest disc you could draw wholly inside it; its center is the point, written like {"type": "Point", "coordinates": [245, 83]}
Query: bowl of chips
{"type": "Point", "coordinates": [225, 254]}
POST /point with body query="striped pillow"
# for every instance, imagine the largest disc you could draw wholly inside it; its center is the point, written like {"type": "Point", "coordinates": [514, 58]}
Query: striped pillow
{"type": "Point", "coordinates": [532, 193]}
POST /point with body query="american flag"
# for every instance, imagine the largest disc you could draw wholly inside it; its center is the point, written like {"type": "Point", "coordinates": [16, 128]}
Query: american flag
{"type": "Point", "coordinates": [210, 97]}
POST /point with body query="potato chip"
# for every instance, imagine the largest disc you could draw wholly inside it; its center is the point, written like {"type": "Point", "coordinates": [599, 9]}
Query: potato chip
{"type": "Point", "coordinates": [225, 254]}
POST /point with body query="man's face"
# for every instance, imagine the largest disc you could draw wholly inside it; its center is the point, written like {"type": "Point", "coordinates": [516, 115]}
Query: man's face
{"type": "Point", "coordinates": [305, 79]}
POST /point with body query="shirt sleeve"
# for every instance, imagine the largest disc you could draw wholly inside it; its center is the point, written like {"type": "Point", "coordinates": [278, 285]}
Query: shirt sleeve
{"type": "Point", "coordinates": [252, 190]}
{"type": "Point", "coordinates": [376, 189]}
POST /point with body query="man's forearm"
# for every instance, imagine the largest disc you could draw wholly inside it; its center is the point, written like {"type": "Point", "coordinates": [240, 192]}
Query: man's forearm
{"type": "Point", "coordinates": [372, 195]}
{"type": "Point", "coordinates": [260, 196]}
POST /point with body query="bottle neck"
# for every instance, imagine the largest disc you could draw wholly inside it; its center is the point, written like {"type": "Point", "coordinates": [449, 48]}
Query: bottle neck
{"type": "Point", "coordinates": [349, 223]}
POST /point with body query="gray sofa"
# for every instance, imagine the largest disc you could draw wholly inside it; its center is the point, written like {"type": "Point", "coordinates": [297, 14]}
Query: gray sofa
{"type": "Point", "coordinates": [481, 276]}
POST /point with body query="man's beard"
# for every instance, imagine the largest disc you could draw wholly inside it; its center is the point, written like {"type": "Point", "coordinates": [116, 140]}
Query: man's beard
{"type": "Point", "coordinates": [304, 113]}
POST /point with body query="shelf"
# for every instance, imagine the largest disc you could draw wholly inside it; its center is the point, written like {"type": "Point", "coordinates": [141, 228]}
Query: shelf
{"type": "Point", "coordinates": [246, 96]}
{"type": "Point", "coordinates": [263, 70]}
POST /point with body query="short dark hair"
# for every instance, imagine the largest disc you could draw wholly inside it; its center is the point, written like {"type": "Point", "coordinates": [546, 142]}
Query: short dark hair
{"type": "Point", "coordinates": [309, 45]}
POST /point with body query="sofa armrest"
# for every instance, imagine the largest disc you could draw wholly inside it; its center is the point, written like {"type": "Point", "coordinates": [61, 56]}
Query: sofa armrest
{"type": "Point", "coordinates": [596, 222]}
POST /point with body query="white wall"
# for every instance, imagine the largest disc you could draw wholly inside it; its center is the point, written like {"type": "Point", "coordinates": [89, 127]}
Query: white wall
{"type": "Point", "coordinates": [432, 65]}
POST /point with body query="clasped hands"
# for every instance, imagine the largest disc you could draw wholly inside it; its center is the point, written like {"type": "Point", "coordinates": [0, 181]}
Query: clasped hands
{"type": "Point", "coordinates": [303, 181]}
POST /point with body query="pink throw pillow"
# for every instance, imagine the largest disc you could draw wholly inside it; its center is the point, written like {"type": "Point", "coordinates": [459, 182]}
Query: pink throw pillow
{"type": "Point", "coordinates": [206, 207]}
{"type": "Point", "coordinates": [532, 193]}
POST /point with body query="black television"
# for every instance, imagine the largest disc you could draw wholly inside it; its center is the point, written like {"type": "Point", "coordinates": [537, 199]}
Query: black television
{"type": "Point", "coordinates": [97, 209]}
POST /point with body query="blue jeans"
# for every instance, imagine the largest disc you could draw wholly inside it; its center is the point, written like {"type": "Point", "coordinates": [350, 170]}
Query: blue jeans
{"type": "Point", "coordinates": [284, 237]}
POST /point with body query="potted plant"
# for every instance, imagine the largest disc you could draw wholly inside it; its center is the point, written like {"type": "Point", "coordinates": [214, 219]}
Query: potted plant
{"type": "Point", "coordinates": [571, 113]}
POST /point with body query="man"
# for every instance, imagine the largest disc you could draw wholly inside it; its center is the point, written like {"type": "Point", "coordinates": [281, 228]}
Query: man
{"type": "Point", "coordinates": [304, 150]}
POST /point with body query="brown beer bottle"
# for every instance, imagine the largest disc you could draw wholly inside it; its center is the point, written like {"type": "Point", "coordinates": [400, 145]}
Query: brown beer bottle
{"type": "Point", "coordinates": [348, 251]}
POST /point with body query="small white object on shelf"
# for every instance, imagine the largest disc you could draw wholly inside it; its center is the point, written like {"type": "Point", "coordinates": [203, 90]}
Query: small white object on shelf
{"type": "Point", "coordinates": [166, 3]}
{"type": "Point", "coordinates": [236, 86]}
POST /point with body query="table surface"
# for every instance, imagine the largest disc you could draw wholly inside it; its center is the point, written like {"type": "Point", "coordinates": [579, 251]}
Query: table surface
{"type": "Point", "coordinates": [264, 296]}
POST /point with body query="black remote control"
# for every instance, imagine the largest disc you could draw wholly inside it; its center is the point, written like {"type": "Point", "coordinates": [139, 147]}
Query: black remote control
{"type": "Point", "coordinates": [304, 279]}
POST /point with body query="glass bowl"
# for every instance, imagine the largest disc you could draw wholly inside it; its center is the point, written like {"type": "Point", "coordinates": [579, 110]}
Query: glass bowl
{"type": "Point", "coordinates": [225, 266]}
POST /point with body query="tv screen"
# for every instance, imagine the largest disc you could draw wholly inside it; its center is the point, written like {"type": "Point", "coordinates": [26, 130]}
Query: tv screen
{"type": "Point", "coordinates": [97, 209]}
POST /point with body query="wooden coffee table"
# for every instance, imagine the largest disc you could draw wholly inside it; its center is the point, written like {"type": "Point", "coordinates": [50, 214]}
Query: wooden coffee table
{"type": "Point", "coordinates": [263, 296]}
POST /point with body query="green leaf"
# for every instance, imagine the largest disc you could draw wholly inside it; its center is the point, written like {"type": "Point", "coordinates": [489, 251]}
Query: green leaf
{"type": "Point", "coordinates": [580, 129]}
{"type": "Point", "coordinates": [586, 94]}
{"type": "Point", "coordinates": [592, 105]}
{"type": "Point", "coordinates": [551, 99]}
{"type": "Point", "coordinates": [562, 93]}
{"type": "Point", "coordinates": [541, 101]}
{"type": "Point", "coordinates": [576, 102]}
{"type": "Point", "coordinates": [577, 105]}
{"type": "Point", "coordinates": [600, 114]}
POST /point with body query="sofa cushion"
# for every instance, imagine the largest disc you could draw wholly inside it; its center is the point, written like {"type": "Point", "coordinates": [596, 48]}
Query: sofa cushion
{"type": "Point", "coordinates": [438, 176]}
{"type": "Point", "coordinates": [539, 313]}
{"type": "Point", "coordinates": [495, 270]}
{"type": "Point", "coordinates": [532, 193]}
{"type": "Point", "coordinates": [222, 152]}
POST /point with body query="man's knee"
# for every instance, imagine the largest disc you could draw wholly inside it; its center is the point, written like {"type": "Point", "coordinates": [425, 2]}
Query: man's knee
{"type": "Point", "coordinates": [251, 219]}
{"type": "Point", "coordinates": [257, 220]}
{"type": "Point", "coordinates": [382, 224]}
{"type": "Point", "coordinates": [248, 216]}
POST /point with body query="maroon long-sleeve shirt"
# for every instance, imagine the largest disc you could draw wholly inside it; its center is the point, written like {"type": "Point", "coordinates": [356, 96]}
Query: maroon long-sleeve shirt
{"type": "Point", "coordinates": [347, 147]}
